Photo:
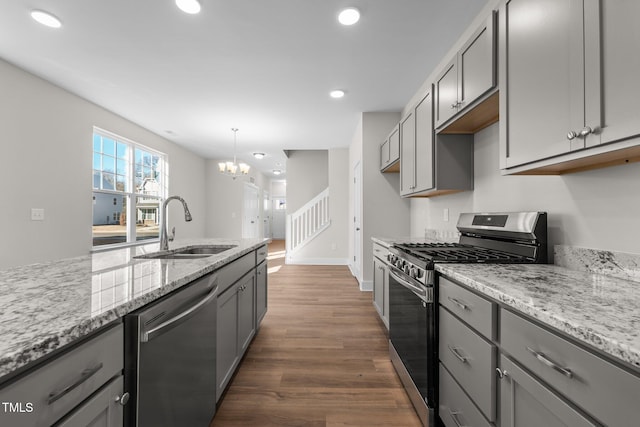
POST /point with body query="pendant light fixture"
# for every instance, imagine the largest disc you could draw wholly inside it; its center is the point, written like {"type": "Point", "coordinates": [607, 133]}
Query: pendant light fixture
{"type": "Point", "coordinates": [233, 169]}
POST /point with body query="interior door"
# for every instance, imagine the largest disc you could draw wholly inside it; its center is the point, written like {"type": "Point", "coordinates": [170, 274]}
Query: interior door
{"type": "Point", "coordinates": [251, 212]}
{"type": "Point", "coordinates": [357, 221]}
{"type": "Point", "coordinates": [266, 214]}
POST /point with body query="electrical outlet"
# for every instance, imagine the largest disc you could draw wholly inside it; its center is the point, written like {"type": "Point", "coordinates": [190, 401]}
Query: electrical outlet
{"type": "Point", "coordinates": [37, 214]}
{"type": "Point", "coordinates": [445, 215]}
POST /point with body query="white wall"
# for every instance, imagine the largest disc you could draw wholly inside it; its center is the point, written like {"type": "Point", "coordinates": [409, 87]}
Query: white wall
{"type": "Point", "coordinates": [384, 212]}
{"type": "Point", "coordinates": [597, 209]}
{"type": "Point", "coordinates": [225, 200]}
{"type": "Point", "coordinates": [332, 245]}
{"type": "Point", "coordinates": [307, 176]}
{"type": "Point", "coordinates": [46, 135]}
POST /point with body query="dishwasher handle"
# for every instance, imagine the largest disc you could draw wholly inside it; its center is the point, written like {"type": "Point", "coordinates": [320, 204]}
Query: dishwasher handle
{"type": "Point", "coordinates": [147, 336]}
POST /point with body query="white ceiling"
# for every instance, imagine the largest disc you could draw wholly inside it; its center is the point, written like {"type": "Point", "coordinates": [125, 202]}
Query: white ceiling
{"type": "Point", "coordinates": [263, 66]}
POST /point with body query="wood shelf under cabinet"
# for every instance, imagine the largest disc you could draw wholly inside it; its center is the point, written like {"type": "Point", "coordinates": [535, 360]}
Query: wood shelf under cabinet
{"type": "Point", "coordinates": [482, 115]}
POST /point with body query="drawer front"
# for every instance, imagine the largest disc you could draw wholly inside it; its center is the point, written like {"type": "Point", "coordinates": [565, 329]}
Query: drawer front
{"type": "Point", "coordinates": [261, 254]}
{"type": "Point", "coordinates": [478, 312]}
{"type": "Point", "coordinates": [41, 395]}
{"type": "Point", "coordinates": [470, 359]}
{"type": "Point", "coordinates": [602, 389]}
{"type": "Point", "coordinates": [526, 402]}
{"type": "Point", "coordinates": [380, 251]}
{"type": "Point", "coordinates": [456, 409]}
{"type": "Point", "coordinates": [231, 273]}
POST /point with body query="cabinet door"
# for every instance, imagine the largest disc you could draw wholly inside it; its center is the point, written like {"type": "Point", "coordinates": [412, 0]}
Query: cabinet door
{"type": "Point", "coordinates": [384, 154]}
{"type": "Point", "coordinates": [394, 145]}
{"type": "Point", "coordinates": [446, 93]}
{"type": "Point", "coordinates": [378, 286]}
{"type": "Point", "coordinates": [103, 409]}
{"type": "Point", "coordinates": [246, 311]}
{"type": "Point", "coordinates": [476, 64]}
{"type": "Point", "coordinates": [526, 402]}
{"type": "Point", "coordinates": [226, 338]}
{"type": "Point", "coordinates": [621, 68]}
{"type": "Point", "coordinates": [408, 154]}
{"type": "Point", "coordinates": [261, 292]}
{"type": "Point", "coordinates": [424, 145]}
{"type": "Point", "coordinates": [542, 95]}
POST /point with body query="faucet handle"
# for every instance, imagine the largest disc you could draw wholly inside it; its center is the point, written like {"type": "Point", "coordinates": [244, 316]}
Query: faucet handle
{"type": "Point", "coordinates": [173, 234]}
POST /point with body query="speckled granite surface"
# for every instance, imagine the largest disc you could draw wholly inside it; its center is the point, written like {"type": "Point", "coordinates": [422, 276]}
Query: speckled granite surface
{"type": "Point", "coordinates": [603, 311]}
{"type": "Point", "coordinates": [45, 306]}
{"type": "Point", "coordinates": [618, 264]}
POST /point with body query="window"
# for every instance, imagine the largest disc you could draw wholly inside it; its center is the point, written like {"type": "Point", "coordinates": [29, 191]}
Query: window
{"type": "Point", "coordinates": [129, 182]}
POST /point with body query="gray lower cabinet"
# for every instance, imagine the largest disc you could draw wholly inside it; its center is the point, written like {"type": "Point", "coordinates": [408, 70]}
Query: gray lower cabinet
{"type": "Point", "coordinates": [103, 409]}
{"type": "Point", "coordinates": [467, 353]}
{"type": "Point", "coordinates": [235, 329]}
{"type": "Point", "coordinates": [603, 390]}
{"type": "Point", "coordinates": [455, 407]}
{"type": "Point", "coordinates": [381, 290]}
{"type": "Point", "coordinates": [58, 388]}
{"type": "Point", "coordinates": [527, 402]}
{"type": "Point", "coordinates": [261, 292]}
{"type": "Point", "coordinates": [544, 378]}
{"type": "Point", "coordinates": [246, 311]}
{"type": "Point", "coordinates": [381, 283]}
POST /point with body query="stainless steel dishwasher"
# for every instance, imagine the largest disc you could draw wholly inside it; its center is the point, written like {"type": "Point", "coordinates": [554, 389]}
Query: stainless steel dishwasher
{"type": "Point", "coordinates": [170, 358]}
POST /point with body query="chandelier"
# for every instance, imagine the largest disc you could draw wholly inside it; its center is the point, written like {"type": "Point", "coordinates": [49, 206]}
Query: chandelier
{"type": "Point", "coordinates": [233, 169]}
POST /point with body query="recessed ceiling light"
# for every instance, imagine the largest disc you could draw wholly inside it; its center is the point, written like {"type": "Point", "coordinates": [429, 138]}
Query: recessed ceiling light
{"type": "Point", "coordinates": [189, 6]}
{"type": "Point", "coordinates": [258, 156]}
{"type": "Point", "coordinates": [336, 93]}
{"type": "Point", "coordinates": [45, 18]}
{"type": "Point", "coordinates": [349, 16]}
{"type": "Point", "coordinates": [277, 171]}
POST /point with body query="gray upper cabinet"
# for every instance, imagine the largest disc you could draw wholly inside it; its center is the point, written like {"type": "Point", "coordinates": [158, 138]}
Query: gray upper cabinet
{"type": "Point", "coordinates": [390, 152]}
{"type": "Point", "coordinates": [469, 75]}
{"type": "Point", "coordinates": [416, 157]}
{"type": "Point", "coordinates": [407, 154]}
{"type": "Point", "coordinates": [432, 165]}
{"type": "Point", "coordinates": [568, 85]}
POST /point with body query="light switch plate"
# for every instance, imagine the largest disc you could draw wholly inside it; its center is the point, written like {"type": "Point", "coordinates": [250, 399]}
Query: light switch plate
{"type": "Point", "coordinates": [37, 214]}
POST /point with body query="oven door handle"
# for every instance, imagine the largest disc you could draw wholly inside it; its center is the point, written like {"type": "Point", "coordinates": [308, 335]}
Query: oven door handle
{"type": "Point", "coordinates": [408, 285]}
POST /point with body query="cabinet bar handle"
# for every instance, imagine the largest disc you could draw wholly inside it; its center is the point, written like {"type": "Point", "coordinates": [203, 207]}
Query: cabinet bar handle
{"type": "Point", "coordinates": [84, 376]}
{"type": "Point", "coordinates": [550, 363]}
{"type": "Point", "coordinates": [585, 131]}
{"type": "Point", "coordinates": [454, 416]}
{"type": "Point", "coordinates": [458, 303]}
{"type": "Point", "coordinates": [457, 354]}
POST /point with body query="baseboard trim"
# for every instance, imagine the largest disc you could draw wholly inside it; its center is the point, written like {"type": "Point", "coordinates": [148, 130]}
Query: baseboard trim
{"type": "Point", "coordinates": [366, 285]}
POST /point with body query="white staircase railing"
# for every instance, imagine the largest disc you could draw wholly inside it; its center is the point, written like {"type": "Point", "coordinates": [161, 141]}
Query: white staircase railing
{"type": "Point", "coordinates": [307, 222]}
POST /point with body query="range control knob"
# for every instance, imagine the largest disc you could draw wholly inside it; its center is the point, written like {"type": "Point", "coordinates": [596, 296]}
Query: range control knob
{"type": "Point", "coordinates": [399, 263]}
{"type": "Point", "coordinates": [413, 272]}
{"type": "Point", "coordinates": [406, 268]}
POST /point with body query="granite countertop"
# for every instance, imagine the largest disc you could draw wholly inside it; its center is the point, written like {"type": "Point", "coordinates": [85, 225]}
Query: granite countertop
{"type": "Point", "coordinates": [600, 310]}
{"type": "Point", "coordinates": [46, 306]}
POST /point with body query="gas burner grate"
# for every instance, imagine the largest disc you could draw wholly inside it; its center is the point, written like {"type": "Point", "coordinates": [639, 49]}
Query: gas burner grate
{"type": "Point", "coordinates": [456, 252]}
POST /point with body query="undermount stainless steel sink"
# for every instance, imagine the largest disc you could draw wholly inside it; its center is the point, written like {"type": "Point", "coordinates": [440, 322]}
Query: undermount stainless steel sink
{"type": "Point", "coordinates": [191, 252]}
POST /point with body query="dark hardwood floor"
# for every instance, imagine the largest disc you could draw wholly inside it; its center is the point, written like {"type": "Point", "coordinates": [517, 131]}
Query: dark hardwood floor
{"type": "Point", "coordinates": [319, 359]}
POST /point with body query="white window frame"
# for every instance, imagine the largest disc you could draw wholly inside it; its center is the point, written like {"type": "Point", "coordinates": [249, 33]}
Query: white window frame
{"type": "Point", "coordinates": [130, 190]}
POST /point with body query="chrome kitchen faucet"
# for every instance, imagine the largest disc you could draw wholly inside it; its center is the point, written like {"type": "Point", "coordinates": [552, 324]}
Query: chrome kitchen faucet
{"type": "Point", "coordinates": [164, 237]}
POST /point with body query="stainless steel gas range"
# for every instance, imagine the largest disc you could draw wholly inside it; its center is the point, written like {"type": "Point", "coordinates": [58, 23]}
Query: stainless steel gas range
{"type": "Point", "coordinates": [505, 237]}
